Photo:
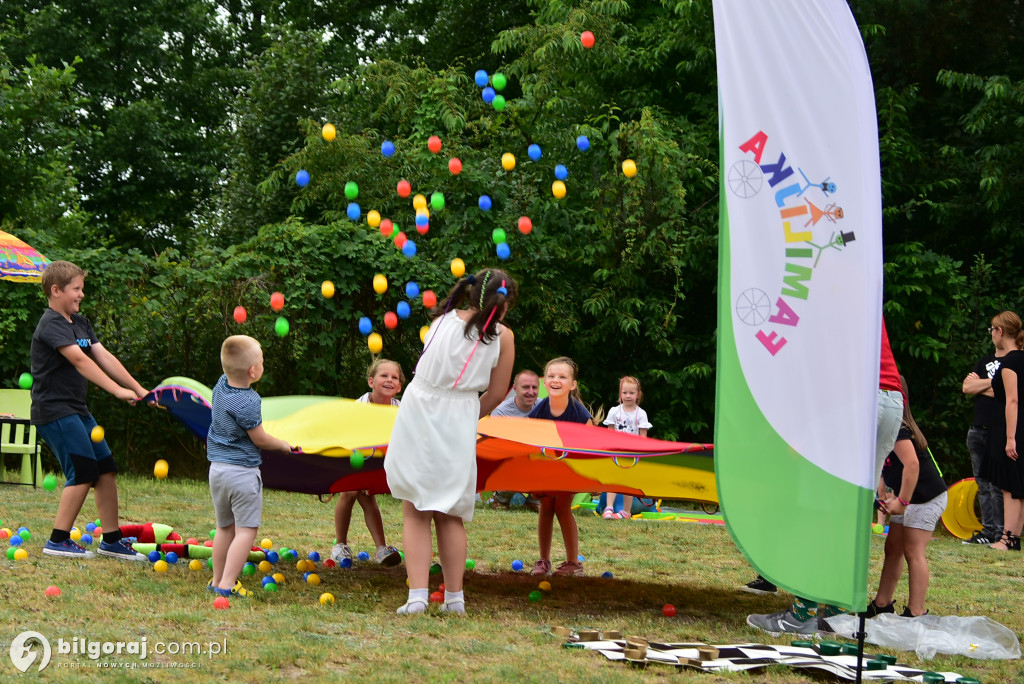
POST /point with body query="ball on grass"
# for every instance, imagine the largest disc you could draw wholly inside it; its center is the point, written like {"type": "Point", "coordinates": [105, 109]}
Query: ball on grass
{"type": "Point", "coordinates": [52, 591]}
{"type": "Point", "coordinates": [470, 564]}
{"type": "Point", "coordinates": [517, 565]}
{"type": "Point", "coordinates": [171, 557]}
{"type": "Point", "coordinates": [326, 599]}
{"type": "Point", "coordinates": [544, 586]}
{"type": "Point", "coordinates": [153, 556]}
{"type": "Point", "coordinates": [195, 565]}
{"type": "Point", "coordinates": [363, 556]}
{"type": "Point", "coordinates": [668, 610]}
{"type": "Point", "coordinates": [221, 603]}
{"type": "Point", "coordinates": [160, 469]}
{"type": "Point", "coordinates": [437, 597]}
{"type": "Point", "coordinates": [160, 566]}
{"type": "Point", "coordinates": [606, 575]}
{"type": "Point", "coordinates": [535, 596]}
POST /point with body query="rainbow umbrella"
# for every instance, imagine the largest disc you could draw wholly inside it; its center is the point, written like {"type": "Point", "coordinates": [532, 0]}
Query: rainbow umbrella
{"type": "Point", "coordinates": [20, 262]}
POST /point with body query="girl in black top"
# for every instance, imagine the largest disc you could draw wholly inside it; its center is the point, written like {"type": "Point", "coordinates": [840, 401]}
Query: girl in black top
{"type": "Point", "coordinates": [1006, 468]}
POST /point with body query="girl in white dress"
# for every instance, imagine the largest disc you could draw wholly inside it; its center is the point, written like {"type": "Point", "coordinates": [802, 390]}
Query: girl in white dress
{"type": "Point", "coordinates": [431, 458]}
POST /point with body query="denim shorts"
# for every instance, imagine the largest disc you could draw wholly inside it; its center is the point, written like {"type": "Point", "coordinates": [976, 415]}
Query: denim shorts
{"type": "Point", "coordinates": [923, 516]}
{"type": "Point", "coordinates": [81, 459]}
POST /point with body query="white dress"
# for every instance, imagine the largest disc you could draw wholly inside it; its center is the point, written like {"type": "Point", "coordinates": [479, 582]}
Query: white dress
{"type": "Point", "coordinates": [431, 458]}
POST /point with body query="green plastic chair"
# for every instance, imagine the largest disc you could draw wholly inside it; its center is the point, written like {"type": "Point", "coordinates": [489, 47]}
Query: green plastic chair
{"type": "Point", "coordinates": [18, 436]}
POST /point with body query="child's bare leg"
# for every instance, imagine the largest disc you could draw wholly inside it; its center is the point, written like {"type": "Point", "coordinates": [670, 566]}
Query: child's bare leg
{"type": "Point", "coordinates": [452, 549]}
{"type": "Point", "coordinates": [567, 521]}
{"type": "Point", "coordinates": [418, 546]}
{"type": "Point", "coordinates": [106, 501]}
{"type": "Point", "coordinates": [892, 566]}
{"type": "Point", "coordinates": [71, 500]}
{"type": "Point", "coordinates": [372, 517]}
{"type": "Point", "coordinates": [343, 515]}
{"type": "Point", "coordinates": [627, 505]}
{"type": "Point", "coordinates": [914, 544]}
{"type": "Point", "coordinates": [545, 526]}
{"type": "Point", "coordinates": [236, 555]}
{"type": "Point", "coordinates": [221, 543]}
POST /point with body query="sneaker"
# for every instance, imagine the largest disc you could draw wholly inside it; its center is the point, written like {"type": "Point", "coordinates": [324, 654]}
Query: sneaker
{"type": "Point", "coordinates": [237, 590]}
{"type": "Point", "coordinates": [783, 622]}
{"type": "Point", "coordinates": [760, 586]}
{"type": "Point", "coordinates": [609, 514]}
{"type": "Point", "coordinates": [541, 567]}
{"type": "Point", "coordinates": [120, 549]}
{"type": "Point", "coordinates": [66, 548]}
{"type": "Point", "coordinates": [980, 537]}
{"type": "Point", "coordinates": [340, 551]}
{"type": "Point", "coordinates": [570, 569]}
{"type": "Point", "coordinates": [875, 609]}
{"type": "Point", "coordinates": [388, 556]}
{"type": "Point", "coordinates": [906, 613]}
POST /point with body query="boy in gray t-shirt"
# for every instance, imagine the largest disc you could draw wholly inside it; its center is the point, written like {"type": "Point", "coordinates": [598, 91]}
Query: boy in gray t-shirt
{"type": "Point", "coordinates": [233, 447]}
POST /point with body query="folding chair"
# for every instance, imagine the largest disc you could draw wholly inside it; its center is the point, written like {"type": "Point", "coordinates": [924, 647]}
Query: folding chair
{"type": "Point", "coordinates": [18, 436]}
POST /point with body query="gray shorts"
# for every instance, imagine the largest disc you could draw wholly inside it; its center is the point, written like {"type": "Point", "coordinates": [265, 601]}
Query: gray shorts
{"type": "Point", "coordinates": [237, 493]}
{"type": "Point", "coordinates": [922, 516]}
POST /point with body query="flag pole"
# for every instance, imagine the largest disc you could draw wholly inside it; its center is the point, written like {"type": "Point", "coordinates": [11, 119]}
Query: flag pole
{"type": "Point", "coordinates": [861, 630]}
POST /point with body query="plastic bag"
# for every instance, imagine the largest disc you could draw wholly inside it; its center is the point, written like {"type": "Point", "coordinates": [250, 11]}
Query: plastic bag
{"type": "Point", "coordinates": [974, 636]}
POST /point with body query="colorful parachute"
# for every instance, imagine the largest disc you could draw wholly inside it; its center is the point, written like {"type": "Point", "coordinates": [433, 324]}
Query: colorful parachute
{"type": "Point", "coordinates": [513, 454]}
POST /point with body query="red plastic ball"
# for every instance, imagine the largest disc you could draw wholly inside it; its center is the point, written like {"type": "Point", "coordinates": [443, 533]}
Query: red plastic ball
{"type": "Point", "coordinates": [192, 541]}
{"type": "Point", "coordinates": [386, 227]}
{"type": "Point", "coordinates": [429, 299]}
{"type": "Point", "coordinates": [240, 314]}
{"type": "Point", "coordinates": [277, 301]}
{"type": "Point", "coordinates": [437, 597]}
{"type": "Point", "coordinates": [587, 38]}
{"type": "Point", "coordinates": [404, 188]}
{"type": "Point", "coordinates": [329, 563]}
{"type": "Point", "coordinates": [221, 603]}
{"type": "Point", "coordinates": [390, 320]}
{"type": "Point", "coordinates": [668, 610]}
{"type": "Point", "coordinates": [434, 144]}
{"type": "Point", "coordinates": [455, 166]}
{"type": "Point", "coordinates": [422, 230]}
{"type": "Point", "coordinates": [525, 225]}
{"type": "Point", "coordinates": [400, 238]}
{"type": "Point", "coordinates": [52, 591]}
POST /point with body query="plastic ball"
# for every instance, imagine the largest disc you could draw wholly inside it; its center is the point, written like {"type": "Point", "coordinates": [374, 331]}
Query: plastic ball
{"type": "Point", "coordinates": [422, 218]}
{"type": "Point", "coordinates": [403, 310]}
{"type": "Point", "coordinates": [357, 459]}
{"type": "Point", "coordinates": [327, 289]}
{"type": "Point", "coordinates": [480, 78]}
{"type": "Point", "coordinates": [171, 558]}
{"type": "Point", "coordinates": [365, 325]}
{"type": "Point", "coordinates": [470, 563]}
{"type": "Point", "coordinates": [326, 599]}
{"type": "Point", "coordinates": [85, 540]}
{"type": "Point", "coordinates": [374, 343]}
{"type": "Point", "coordinates": [437, 201]}
{"type": "Point", "coordinates": [508, 161]}
{"type": "Point", "coordinates": [265, 566]}
{"type": "Point", "coordinates": [409, 249]}
{"type": "Point", "coordinates": [629, 168]}
{"type": "Point", "coordinates": [606, 575]}
{"type": "Point", "coordinates": [587, 39]}
{"type": "Point", "coordinates": [412, 289]}
{"type": "Point", "coordinates": [535, 596]}
{"type": "Point", "coordinates": [313, 579]}
{"type": "Point", "coordinates": [160, 566]}
{"type": "Point", "coordinates": [271, 587]}
{"type": "Point", "coordinates": [380, 283]}
{"type": "Point", "coordinates": [16, 540]}
{"type": "Point", "coordinates": [267, 580]}
{"type": "Point", "coordinates": [281, 326]}
{"type": "Point", "coordinates": [25, 381]}
{"type": "Point", "coordinates": [668, 610]}
{"type": "Point", "coordinates": [192, 541]}
{"type": "Point", "coordinates": [499, 81]}
{"type": "Point", "coordinates": [52, 591]}
{"type": "Point", "coordinates": [160, 469]}
{"type": "Point", "coordinates": [221, 603]}
{"type": "Point", "coordinates": [387, 148]}
{"type": "Point", "coordinates": [878, 528]}
{"type": "Point", "coordinates": [20, 554]}
{"type": "Point", "coordinates": [277, 301]}
{"type": "Point", "coordinates": [458, 267]}
{"type": "Point", "coordinates": [351, 190]}
{"type": "Point", "coordinates": [488, 95]}
{"type": "Point", "coordinates": [498, 103]}
{"type": "Point", "coordinates": [561, 173]}
{"type": "Point", "coordinates": [525, 225]}
{"type": "Point", "coordinates": [558, 189]}
{"type": "Point", "coordinates": [498, 236]}
{"type": "Point", "coordinates": [437, 597]}
{"type": "Point", "coordinates": [302, 178]}
{"type": "Point", "coordinates": [386, 227]}
{"type": "Point", "coordinates": [390, 320]}
{"type": "Point", "coordinates": [544, 586]}
{"type": "Point", "coordinates": [400, 239]}
{"type": "Point", "coordinates": [195, 564]}
{"type": "Point", "coordinates": [403, 188]}
{"type": "Point", "coordinates": [434, 144]}
{"type": "Point", "coordinates": [353, 211]}
{"type": "Point", "coordinates": [75, 534]}
{"type": "Point", "coordinates": [346, 563]}
{"type": "Point", "coordinates": [581, 558]}
{"type": "Point", "coordinates": [11, 551]}
{"type": "Point", "coordinates": [50, 482]}
{"type": "Point", "coordinates": [278, 578]}
{"type": "Point", "coordinates": [455, 166]}
{"type": "Point", "coordinates": [534, 152]}
{"type": "Point", "coordinates": [273, 556]}
{"type": "Point", "coordinates": [583, 143]}
{"type": "Point", "coordinates": [313, 556]}
{"type": "Point", "coordinates": [373, 218]}
{"type": "Point", "coordinates": [503, 251]}
{"type": "Point", "coordinates": [240, 314]}
{"type": "Point", "coordinates": [424, 329]}
{"type": "Point", "coordinates": [435, 568]}
{"type": "Point", "coordinates": [97, 434]}
{"type": "Point", "coordinates": [484, 203]}
{"type": "Point", "coordinates": [329, 132]}
{"type": "Point", "coordinates": [329, 563]}
{"type": "Point", "coordinates": [363, 556]}
{"type": "Point", "coordinates": [429, 299]}
{"type": "Point", "coordinates": [517, 565]}
{"type": "Point", "coordinates": [266, 543]}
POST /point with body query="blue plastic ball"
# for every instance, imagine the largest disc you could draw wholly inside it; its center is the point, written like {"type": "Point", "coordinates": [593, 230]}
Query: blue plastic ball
{"type": "Point", "coordinates": [363, 556]}
{"type": "Point", "coordinates": [484, 202]}
{"type": "Point", "coordinates": [488, 94]}
{"type": "Point", "coordinates": [346, 563]}
{"type": "Point", "coordinates": [561, 173]}
{"type": "Point", "coordinates": [302, 178]}
{"type": "Point", "coordinates": [273, 556]}
{"type": "Point", "coordinates": [16, 540]}
{"type": "Point", "coordinates": [409, 249]}
{"type": "Point", "coordinates": [481, 78]}
{"type": "Point", "coordinates": [422, 220]}
{"type": "Point", "coordinates": [580, 558]}
{"type": "Point", "coordinates": [22, 529]}
{"type": "Point", "coordinates": [583, 142]}
{"type": "Point", "coordinates": [171, 557]}
{"type": "Point", "coordinates": [412, 289]}
{"type": "Point", "coordinates": [314, 556]}
{"type": "Point", "coordinates": [534, 152]}
{"type": "Point", "coordinates": [305, 576]}
{"type": "Point", "coordinates": [606, 575]}
{"type": "Point", "coordinates": [85, 540]}
{"type": "Point", "coordinates": [387, 148]}
{"type": "Point", "coordinates": [353, 211]}
{"type": "Point", "coordinates": [517, 565]}
{"type": "Point", "coordinates": [90, 527]}
{"type": "Point", "coordinates": [365, 325]}
{"type": "Point", "coordinates": [267, 580]}
{"type": "Point", "coordinates": [503, 251]}
{"type": "Point", "coordinates": [153, 556]}
{"type": "Point", "coordinates": [402, 309]}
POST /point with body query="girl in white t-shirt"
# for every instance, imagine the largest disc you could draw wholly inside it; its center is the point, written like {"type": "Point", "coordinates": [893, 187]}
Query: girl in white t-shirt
{"type": "Point", "coordinates": [626, 417]}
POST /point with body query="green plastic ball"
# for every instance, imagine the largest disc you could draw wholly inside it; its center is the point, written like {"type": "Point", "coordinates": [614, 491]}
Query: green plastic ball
{"type": "Point", "coordinates": [25, 381]}
{"type": "Point", "coordinates": [270, 586]}
{"type": "Point", "coordinates": [499, 81]}
{"type": "Point", "coordinates": [470, 563]}
{"type": "Point", "coordinates": [357, 460]}
{"type": "Point", "coordinates": [25, 535]}
{"type": "Point", "coordinates": [498, 103]}
{"type": "Point", "coordinates": [248, 569]}
{"type": "Point", "coordinates": [281, 326]}
{"type": "Point", "coordinates": [10, 552]}
{"type": "Point", "coordinates": [437, 201]}
{"type": "Point", "coordinates": [351, 190]}
{"type": "Point", "coordinates": [213, 533]}
{"type": "Point", "coordinates": [50, 482]}
{"type": "Point", "coordinates": [498, 236]}
{"type": "Point", "coordinates": [435, 568]}
{"type": "Point", "coordinates": [536, 596]}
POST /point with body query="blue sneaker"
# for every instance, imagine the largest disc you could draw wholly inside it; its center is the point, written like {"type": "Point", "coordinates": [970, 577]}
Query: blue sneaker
{"type": "Point", "coordinates": [66, 548]}
{"type": "Point", "coordinates": [120, 549]}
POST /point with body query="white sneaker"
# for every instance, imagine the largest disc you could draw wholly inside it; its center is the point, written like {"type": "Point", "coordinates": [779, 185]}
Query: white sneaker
{"type": "Point", "coordinates": [388, 556]}
{"type": "Point", "coordinates": [339, 551]}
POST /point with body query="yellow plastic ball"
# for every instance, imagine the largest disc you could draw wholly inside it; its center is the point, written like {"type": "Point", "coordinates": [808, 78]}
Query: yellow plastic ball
{"type": "Point", "coordinates": [629, 168]}
{"type": "Point", "coordinates": [279, 578]}
{"type": "Point", "coordinates": [301, 565]}
{"type": "Point", "coordinates": [423, 333]}
{"type": "Point", "coordinates": [160, 566]}
{"type": "Point", "coordinates": [313, 579]}
{"type": "Point", "coordinates": [20, 554]}
{"type": "Point", "coordinates": [329, 132]}
{"type": "Point", "coordinates": [458, 267]}
{"type": "Point", "coordinates": [160, 469]}
{"type": "Point", "coordinates": [97, 434]}
{"type": "Point", "coordinates": [508, 161]}
{"type": "Point", "coordinates": [544, 586]}
{"type": "Point", "coordinates": [380, 283]}
{"type": "Point", "coordinates": [76, 534]}
{"type": "Point", "coordinates": [373, 218]}
{"type": "Point", "coordinates": [419, 202]}
{"type": "Point", "coordinates": [267, 544]}
{"type": "Point", "coordinates": [265, 567]}
{"type": "Point", "coordinates": [327, 289]}
{"type": "Point", "coordinates": [375, 342]}
{"type": "Point", "coordinates": [558, 189]}
{"type": "Point", "coordinates": [195, 564]}
{"type": "Point", "coordinates": [326, 599]}
{"type": "Point", "coordinates": [423, 212]}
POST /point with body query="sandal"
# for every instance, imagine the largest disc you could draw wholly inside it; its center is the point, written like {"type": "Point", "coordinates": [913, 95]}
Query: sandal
{"type": "Point", "coordinates": [1008, 542]}
{"type": "Point", "coordinates": [609, 514]}
{"type": "Point", "coordinates": [456, 606]}
{"type": "Point", "coordinates": [623, 515]}
{"type": "Point", "coordinates": [413, 606]}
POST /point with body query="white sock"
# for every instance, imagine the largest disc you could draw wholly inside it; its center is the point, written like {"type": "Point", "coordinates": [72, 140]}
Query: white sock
{"type": "Point", "coordinates": [454, 602]}
{"type": "Point", "coordinates": [413, 604]}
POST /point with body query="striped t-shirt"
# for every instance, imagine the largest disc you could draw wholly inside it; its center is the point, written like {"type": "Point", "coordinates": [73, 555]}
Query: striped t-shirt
{"type": "Point", "coordinates": [235, 411]}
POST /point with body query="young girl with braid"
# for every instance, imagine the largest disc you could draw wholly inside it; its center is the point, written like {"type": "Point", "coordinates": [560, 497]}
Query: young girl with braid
{"type": "Point", "coordinates": [431, 458]}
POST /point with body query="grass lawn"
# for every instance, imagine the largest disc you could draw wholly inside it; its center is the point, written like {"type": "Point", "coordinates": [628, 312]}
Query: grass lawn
{"type": "Point", "coordinates": [505, 637]}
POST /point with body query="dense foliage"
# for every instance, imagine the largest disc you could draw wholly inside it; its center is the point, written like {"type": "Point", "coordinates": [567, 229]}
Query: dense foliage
{"type": "Point", "coordinates": [158, 149]}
